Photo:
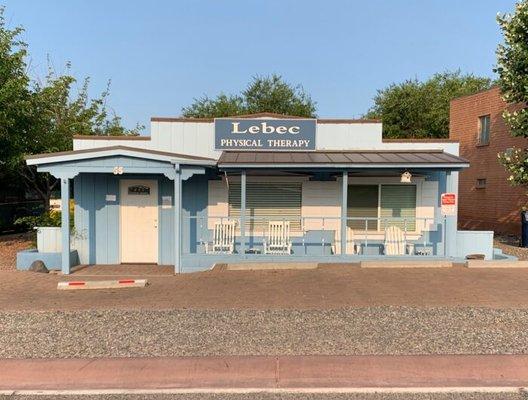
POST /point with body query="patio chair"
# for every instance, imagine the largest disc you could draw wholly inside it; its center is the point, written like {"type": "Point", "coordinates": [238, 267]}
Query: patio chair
{"type": "Point", "coordinates": [278, 238]}
{"type": "Point", "coordinates": [351, 246]}
{"type": "Point", "coordinates": [223, 238]}
{"type": "Point", "coordinates": [395, 243]}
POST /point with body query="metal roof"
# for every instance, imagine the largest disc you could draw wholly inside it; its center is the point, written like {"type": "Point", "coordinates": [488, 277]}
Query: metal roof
{"type": "Point", "coordinates": [350, 159]}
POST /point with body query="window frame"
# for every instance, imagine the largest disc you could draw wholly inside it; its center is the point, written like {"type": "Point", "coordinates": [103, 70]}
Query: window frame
{"type": "Point", "coordinates": [479, 185]}
{"type": "Point", "coordinates": [480, 141]}
{"type": "Point", "coordinates": [417, 187]}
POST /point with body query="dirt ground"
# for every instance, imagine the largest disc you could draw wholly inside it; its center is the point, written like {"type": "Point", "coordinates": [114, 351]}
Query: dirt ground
{"type": "Point", "coordinates": [330, 286]}
{"type": "Point", "coordinates": [9, 246]}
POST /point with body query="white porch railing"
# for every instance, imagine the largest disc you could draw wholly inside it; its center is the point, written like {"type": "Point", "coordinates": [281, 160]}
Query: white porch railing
{"type": "Point", "coordinates": [314, 236]}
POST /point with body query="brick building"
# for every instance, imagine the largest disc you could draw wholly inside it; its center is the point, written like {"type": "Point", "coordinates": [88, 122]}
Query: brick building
{"type": "Point", "coordinates": [487, 201]}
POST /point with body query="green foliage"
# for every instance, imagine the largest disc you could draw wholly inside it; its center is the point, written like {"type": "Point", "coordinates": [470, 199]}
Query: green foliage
{"type": "Point", "coordinates": [415, 109]}
{"type": "Point", "coordinates": [48, 218]}
{"type": "Point", "coordinates": [516, 163]}
{"type": "Point", "coordinates": [263, 94]}
{"type": "Point", "coordinates": [15, 97]}
{"type": "Point", "coordinates": [512, 68]}
{"type": "Point", "coordinates": [42, 117]}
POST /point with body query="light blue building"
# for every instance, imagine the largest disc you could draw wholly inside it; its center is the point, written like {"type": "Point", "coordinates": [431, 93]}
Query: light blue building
{"type": "Point", "coordinates": [261, 187]}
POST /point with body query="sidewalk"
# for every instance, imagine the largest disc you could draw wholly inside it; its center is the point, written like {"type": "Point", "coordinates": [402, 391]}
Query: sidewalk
{"type": "Point", "coordinates": [450, 371]}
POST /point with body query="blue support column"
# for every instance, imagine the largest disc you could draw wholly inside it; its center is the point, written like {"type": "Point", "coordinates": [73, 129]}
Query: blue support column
{"type": "Point", "coordinates": [344, 214]}
{"type": "Point", "coordinates": [243, 212]}
{"type": "Point", "coordinates": [177, 219]}
{"type": "Point", "coordinates": [451, 221]}
{"type": "Point", "coordinates": [65, 225]}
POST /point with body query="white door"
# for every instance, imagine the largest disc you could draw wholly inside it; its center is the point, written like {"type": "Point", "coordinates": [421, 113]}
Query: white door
{"type": "Point", "coordinates": [139, 221]}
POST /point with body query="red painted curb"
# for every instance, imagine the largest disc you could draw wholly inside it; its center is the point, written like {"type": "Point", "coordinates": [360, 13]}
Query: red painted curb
{"type": "Point", "coordinates": [266, 372]}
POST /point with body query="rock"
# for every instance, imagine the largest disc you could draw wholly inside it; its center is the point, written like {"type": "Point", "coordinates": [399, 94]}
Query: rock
{"type": "Point", "coordinates": [38, 266]}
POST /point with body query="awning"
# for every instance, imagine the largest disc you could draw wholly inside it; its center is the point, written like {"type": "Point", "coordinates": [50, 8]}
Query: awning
{"type": "Point", "coordinates": [362, 159]}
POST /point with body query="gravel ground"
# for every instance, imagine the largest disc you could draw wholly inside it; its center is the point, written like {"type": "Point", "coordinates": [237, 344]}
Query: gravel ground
{"type": "Point", "coordinates": [509, 244]}
{"type": "Point", "coordinates": [265, 396]}
{"type": "Point", "coordinates": [9, 246]}
{"type": "Point", "coordinates": [377, 330]}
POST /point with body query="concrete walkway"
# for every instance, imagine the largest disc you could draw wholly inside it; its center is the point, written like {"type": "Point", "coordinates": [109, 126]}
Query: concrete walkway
{"type": "Point", "coordinates": [449, 371]}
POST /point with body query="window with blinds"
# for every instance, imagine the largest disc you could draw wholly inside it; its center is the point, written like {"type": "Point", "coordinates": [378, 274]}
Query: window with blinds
{"type": "Point", "coordinates": [363, 203]}
{"type": "Point", "coordinates": [398, 201]}
{"type": "Point", "coordinates": [393, 204]}
{"type": "Point", "coordinates": [267, 201]}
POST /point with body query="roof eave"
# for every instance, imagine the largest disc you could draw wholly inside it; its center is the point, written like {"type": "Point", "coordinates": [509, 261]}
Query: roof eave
{"type": "Point", "coordinates": [347, 166]}
{"type": "Point", "coordinates": [53, 158]}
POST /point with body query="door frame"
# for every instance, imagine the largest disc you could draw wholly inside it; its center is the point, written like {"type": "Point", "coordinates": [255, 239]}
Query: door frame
{"type": "Point", "coordinates": [122, 183]}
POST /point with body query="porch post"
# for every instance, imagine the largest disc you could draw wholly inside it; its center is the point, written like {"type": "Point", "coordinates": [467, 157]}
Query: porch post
{"type": "Point", "coordinates": [344, 214]}
{"type": "Point", "coordinates": [451, 221]}
{"type": "Point", "coordinates": [243, 212]}
{"type": "Point", "coordinates": [177, 219]}
{"type": "Point", "coordinates": [65, 225]}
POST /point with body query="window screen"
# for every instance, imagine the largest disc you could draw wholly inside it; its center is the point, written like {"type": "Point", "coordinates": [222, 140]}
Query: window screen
{"type": "Point", "coordinates": [268, 201]}
{"type": "Point", "coordinates": [363, 203]}
{"type": "Point", "coordinates": [398, 201]}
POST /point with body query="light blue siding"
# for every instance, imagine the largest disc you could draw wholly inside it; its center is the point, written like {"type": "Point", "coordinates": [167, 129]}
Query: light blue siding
{"type": "Point", "coordinates": [194, 213]}
{"type": "Point", "coordinates": [97, 220]}
{"type": "Point", "coordinates": [166, 223]}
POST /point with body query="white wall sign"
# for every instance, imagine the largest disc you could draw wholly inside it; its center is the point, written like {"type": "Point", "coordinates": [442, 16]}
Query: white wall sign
{"type": "Point", "coordinates": [448, 202]}
{"type": "Point", "coordinates": [166, 201]}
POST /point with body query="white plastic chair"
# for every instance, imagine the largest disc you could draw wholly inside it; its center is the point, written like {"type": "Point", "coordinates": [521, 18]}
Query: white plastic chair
{"type": "Point", "coordinates": [351, 246]}
{"type": "Point", "coordinates": [395, 243]}
{"type": "Point", "coordinates": [223, 238]}
{"type": "Point", "coordinates": [278, 238]}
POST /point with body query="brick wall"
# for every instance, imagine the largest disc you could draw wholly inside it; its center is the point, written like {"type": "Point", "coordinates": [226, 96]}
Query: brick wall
{"type": "Point", "coordinates": [497, 206]}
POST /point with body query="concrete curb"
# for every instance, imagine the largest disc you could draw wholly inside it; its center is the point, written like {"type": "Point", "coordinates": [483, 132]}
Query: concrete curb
{"type": "Point", "coordinates": [496, 264]}
{"type": "Point", "coordinates": [406, 264]}
{"type": "Point", "coordinates": [266, 373]}
{"type": "Point", "coordinates": [254, 266]}
{"type": "Point", "coordinates": [113, 284]}
{"type": "Point", "coordinates": [352, 390]}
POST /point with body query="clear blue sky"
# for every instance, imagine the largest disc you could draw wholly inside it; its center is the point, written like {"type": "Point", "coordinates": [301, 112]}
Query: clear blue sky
{"type": "Point", "coordinates": [161, 54]}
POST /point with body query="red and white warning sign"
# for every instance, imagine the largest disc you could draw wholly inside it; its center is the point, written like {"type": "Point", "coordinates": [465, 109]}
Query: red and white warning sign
{"type": "Point", "coordinates": [448, 204]}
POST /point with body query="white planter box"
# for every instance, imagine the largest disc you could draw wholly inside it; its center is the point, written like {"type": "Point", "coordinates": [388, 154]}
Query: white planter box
{"type": "Point", "coordinates": [49, 239]}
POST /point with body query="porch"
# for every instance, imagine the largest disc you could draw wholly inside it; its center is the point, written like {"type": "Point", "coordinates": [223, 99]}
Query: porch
{"type": "Point", "coordinates": [204, 211]}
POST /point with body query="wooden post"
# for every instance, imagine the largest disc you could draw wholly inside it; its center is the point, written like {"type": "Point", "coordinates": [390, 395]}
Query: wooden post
{"type": "Point", "coordinates": [177, 219]}
{"type": "Point", "coordinates": [65, 225]}
{"type": "Point", "coordinates": [344, 213]}
{"type": "Point", "coordinates": [243, 213]}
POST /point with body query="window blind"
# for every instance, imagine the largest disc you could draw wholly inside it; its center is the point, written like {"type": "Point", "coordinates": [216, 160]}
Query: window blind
{"type": "Point", "coordinates": [267, 201]}
{"type": "Point", "coordinates": [398, 201]}
{"type": "Point", "coordinates": [363, 202]}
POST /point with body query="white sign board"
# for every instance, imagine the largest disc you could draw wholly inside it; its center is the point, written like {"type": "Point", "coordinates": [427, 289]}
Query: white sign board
{"type": "Point", "coordinates": [449, 206]}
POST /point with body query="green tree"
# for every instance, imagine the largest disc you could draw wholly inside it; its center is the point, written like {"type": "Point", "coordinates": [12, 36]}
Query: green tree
{"type": "Point", "coordinates": [263, 94]}
{"type": "Point", "coordinates": [43, 117]}
{"type": "Point", "coordinates": [512, 68]}
{"type": "Point", "coordinates": [15, 96]}
{"type": "Point", "coordinates": [415, 109]}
